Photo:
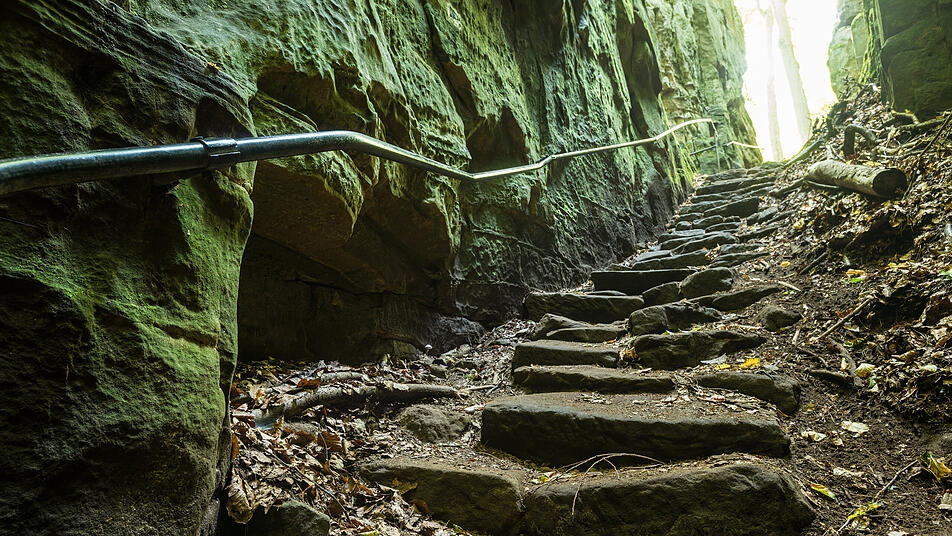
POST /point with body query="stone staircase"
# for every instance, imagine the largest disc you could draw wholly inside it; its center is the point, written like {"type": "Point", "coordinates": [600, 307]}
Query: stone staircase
{"type": "Point", "coordinates": [602, 375]}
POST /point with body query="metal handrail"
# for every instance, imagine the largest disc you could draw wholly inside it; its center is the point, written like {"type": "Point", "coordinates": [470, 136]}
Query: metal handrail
{"type": "Point", "coordinates": [28, 173]}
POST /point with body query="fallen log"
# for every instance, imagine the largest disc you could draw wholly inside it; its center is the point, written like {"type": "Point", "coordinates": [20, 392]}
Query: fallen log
{"type": "Point", "coordinates": [344, 394]}
{"type": "Point", "coordinates": [879, 182]}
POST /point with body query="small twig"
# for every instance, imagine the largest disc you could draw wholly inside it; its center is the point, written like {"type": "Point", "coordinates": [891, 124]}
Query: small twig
{"type": "Point", "coordinates": [479, 387]}
{"type": "Point", "coordinates": [880, 492]}
{"type": "Point", "coordinates": [846, 318]}
{"type": "Point", "coordinates": [894, 478]}
{"type": "Point", "coordinates": [788, 285]}
{"type": "Point", "coordinates": [813, 264]}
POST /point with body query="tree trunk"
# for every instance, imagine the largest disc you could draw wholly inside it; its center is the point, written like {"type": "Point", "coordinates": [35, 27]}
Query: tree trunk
{"type": "Point", "coordinates": [800, 106]}
{"type": "Point", "coordinates": [878, 182]}
{"type": "Point", "coordinates": [776, 145]}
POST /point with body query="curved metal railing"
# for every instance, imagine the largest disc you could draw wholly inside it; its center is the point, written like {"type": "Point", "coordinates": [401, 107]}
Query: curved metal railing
{"type": "Point", "coordinates": [19, 174]}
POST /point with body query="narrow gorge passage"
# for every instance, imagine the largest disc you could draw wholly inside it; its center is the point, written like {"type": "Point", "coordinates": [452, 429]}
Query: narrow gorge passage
{"type": "Point", "coordinates": [717, 381]}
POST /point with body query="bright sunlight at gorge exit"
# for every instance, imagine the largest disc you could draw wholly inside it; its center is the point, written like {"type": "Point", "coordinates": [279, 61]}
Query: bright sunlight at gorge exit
{"type": "Point", "coordinates": [766, 85]}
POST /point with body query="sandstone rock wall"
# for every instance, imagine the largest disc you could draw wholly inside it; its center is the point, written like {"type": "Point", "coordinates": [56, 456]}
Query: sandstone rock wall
{"type": "Point", "coordinates": [916, 54]}
{"type": "Point", "coordinates": [351, 258]}
{"type": "Point", "coordinates": [124, 301]}
{"type": "Point", "coordinates": [848, 47]}
{"type": "Point", "coordinates": [118, 323]}
{"type": "Point", "coordinates": [702, 56]}
{"type": "Point", "coordinates": [909, 50]}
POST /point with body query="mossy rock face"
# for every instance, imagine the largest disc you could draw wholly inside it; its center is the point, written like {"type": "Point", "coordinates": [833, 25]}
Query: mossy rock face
{"type": "Point", "coordinates": [121, 314]}
{"type": "Point", "coordinates": [916, 54]}
{"type": "Point", "coordinates": [117, 323]}
{"type": "Point", "coordinates": [359, 257]}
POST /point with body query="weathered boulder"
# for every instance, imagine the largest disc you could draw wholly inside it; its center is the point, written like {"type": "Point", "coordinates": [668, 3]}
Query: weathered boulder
{"type": "Point", "coordinates": [916, 53]}
{"type": "Point", "coordinates": [775, 318]}
{"type": "Point", "coordinates": [848, 47]}
{"type": "Point", "coordinates": [661, 294]}
{"type": "Point", "coordinates": [671, 316]}
{"type": "Point", "coordinates": [434, 424]}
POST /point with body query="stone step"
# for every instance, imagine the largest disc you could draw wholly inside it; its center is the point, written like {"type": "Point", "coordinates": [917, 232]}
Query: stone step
{"type": "Point", "coordinates": [740, 208]}
{"type": "Point", "coordinates": [662, 294]}
{"type": "Point", "coordinates": [560, 328]}
{"type": "Point", "coordinates": [726, 175]}
{"type": "Point", "coordinates": [738, 299]}
{"type": "Point", "coordinates": [764, 215]}
{"type": "Point", "coordinates": [581, 307]}
{"type": "Point", "coordinates": [564, 353]}
{"type": "Point", "coordinates": [774, 388]}
{"type": "Point", "coordinates": [651, 254]}
{"type": "Point", "coordinates": [481, 499]}
{"type": "Point", "coordinates": [708, 241]}
{"type": "Point", "coordinates": [670, 317]}
{"type": "Point", "coordinates": [636, 282]}
{"type": "Point", "coordinates": [544, 379]}
{"type": "Point", "coordinates": [763, 232]}
{"type": "Point", "coordinates": [562, 428]}
{"type": "Point", "coordinates": [741, 499]}
{"type": "Point", "coordinates": [750, 247]}
{"type": "Point", "coordinates": [706, 282]}
{"type": "Point", "coordinates": [671, 235]}
{"type": "Point", "coordinates": [733, 185]}
{"type": "Point", "coordinates": [728, 227]}
{"type": "Point", "coordinates": [671, 262]}
{"type": "Point", "coordinates": [778, 389]}
{"type": "Point", "coordinates": [736, 259]}
{"type": "Point", "coordinates": [688, 348]}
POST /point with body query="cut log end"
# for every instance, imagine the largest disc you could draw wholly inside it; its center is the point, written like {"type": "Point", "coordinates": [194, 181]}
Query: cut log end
{"type": "Point", "coordinates": [889, 183]}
